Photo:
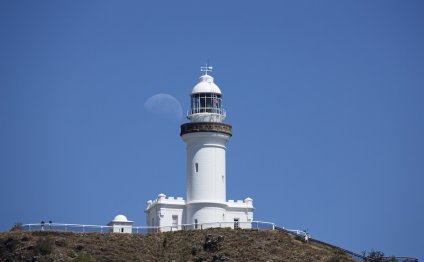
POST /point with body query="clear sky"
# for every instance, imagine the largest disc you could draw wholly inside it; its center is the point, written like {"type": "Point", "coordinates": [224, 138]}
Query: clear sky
{"type": "Point", "coordinates": [326, 99]}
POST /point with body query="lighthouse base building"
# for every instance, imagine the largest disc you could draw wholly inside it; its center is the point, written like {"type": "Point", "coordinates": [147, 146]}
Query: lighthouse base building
{"type": "Point", "coordinates": [170, 214]}
{"type": "Point", "coordinates": [206, 138]}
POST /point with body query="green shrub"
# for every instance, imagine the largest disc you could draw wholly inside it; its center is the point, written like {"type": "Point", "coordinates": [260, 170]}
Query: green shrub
{"type": "Point", "coordinates": [375, 255]}
{"type": "Point", "coordinates": [44, 246]}
{"type": "Point", "coordinates": [82, 258]}
{"type": "Point", "coordinates": [299, 238]}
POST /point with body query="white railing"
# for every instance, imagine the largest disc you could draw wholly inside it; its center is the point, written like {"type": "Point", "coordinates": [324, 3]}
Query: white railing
{"type": "Point", "coordinates": [296, 231]}
{"type": "Point", "coordinates": [199, 110]}
{"type": "Point", "coordinates": [83, 228]}
{"type": "Point", "coordinates": [257, 225]}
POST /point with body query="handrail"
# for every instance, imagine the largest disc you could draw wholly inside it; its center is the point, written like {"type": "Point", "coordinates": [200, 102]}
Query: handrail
{"type": "Point", "coordinates": [215, 110]}
{"type": "Point", "coordinates": [69, 227]}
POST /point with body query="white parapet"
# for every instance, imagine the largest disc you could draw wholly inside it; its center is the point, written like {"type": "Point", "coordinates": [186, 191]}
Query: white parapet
{"type": "Point", "coordinates": [247, 203]}
{"type": "Point", "coordinates": [163, 199]}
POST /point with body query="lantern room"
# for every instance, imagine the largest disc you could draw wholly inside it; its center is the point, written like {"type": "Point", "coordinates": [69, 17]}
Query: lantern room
{"type": "Point", "coordinates": [206, 100]}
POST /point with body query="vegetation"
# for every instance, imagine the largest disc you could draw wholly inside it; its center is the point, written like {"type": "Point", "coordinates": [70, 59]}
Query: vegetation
{"type": "Point", "coordinates": [199, 245]}
{"type": "Point", "coordinates": [16, 227]}
{"type": "Point", "coordinates": [378, 256]}
{"type": "Point", "coordinates": [44, 246]}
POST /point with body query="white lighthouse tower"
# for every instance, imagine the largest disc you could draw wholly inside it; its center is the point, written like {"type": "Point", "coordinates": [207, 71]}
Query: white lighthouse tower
{"type": "Point", "coordinates": [206, 138]}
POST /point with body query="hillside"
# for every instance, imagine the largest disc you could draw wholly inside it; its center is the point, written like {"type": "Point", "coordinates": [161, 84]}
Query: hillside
{"type": "Point", "coordinates": [200, 245]}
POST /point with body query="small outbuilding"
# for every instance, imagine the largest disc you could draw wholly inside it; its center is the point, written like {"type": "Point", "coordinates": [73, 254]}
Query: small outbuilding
{"type": "Point", "coordinates": [120, 224]}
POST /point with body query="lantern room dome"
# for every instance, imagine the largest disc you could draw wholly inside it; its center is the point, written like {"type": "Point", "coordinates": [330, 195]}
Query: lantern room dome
{"type": "Point", "coordinates": [206, 85]}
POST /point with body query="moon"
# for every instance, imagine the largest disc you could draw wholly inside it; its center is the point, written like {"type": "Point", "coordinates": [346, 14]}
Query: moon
{"type": "Point", "coordinates": [164, 105]}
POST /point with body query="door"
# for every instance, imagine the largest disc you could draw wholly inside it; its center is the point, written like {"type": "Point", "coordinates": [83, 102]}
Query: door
{"type": "Point", "coordinates": [236, 223]}
{"type": "Point", "coordinates": [174, 222]}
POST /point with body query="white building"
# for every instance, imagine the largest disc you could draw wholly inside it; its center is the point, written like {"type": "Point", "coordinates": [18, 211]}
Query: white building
{"type": "Point", "coordinates": [206, 137]}
{"type": "Point", "coordinates": [120, 224]}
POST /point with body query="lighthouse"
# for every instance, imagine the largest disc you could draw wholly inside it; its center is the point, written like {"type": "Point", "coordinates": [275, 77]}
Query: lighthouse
{"type": "Point", "coordinates": [206, 137]}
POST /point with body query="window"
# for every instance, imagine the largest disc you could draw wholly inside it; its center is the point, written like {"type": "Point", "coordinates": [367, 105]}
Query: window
{"type": "Point", "coordinates": [236, 223]}
{"type": "Point", "coordinates": [206, 102]}
{"type": "Point", "coordinates": [175, 221]}
{"type": "Point", "coordinates": [195, 224]}
{"type": "Point", "coordinates": [197, 167]}
{"type": "Point", "coordinates": [122, 230]}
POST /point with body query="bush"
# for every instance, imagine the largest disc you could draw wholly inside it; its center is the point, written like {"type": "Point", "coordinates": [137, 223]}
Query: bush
{"type": "Point", "coordinates": [300, 238]}
{"type": "Point", "coordinates": [44, 246]}
{"type": "Point", "coordinates": [213, 243]}
{"type": "Point", "coordinates": [376, 256]}
{"type": "Point", "coordinates": [11, 244]}
{"type": "Point", "coordinates": [17, 227]}
{"type": "Point", "coordinates": [82, 258]}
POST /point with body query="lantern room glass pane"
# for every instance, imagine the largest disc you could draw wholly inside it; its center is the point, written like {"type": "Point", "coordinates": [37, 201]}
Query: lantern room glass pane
{"type": "Point", "coordinates": [206, 103]}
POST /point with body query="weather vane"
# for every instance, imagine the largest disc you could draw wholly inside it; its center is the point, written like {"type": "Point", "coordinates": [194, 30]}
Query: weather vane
{"type": "Point", "coordinates": [206, 69]}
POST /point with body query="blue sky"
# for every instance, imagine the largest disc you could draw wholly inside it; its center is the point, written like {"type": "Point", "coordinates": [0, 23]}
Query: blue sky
{"type": "Point", "coordinates": [325, 99]}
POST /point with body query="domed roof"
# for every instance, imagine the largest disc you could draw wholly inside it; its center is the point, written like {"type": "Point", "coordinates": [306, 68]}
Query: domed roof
{"type": "Point", "coordinates": [120, 218]}
{"type": "Point", "coordinates": [206, 85]}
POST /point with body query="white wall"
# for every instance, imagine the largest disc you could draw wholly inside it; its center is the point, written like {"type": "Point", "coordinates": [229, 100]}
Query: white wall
{"type": "Point", "coordinates": [160, 211]}
{"type": "Point", "coordinates": [211, 214]}
{"type": "Point", "coordinates": [207, 149]}
{"type": "Point", "coordinates": [123, 227]}
{"type": "Point", "coordinates": [205, 213]}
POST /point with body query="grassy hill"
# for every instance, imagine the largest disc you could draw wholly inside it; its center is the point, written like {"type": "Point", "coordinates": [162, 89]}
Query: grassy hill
{"type": "Point", "coordinates": [201, 245]}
